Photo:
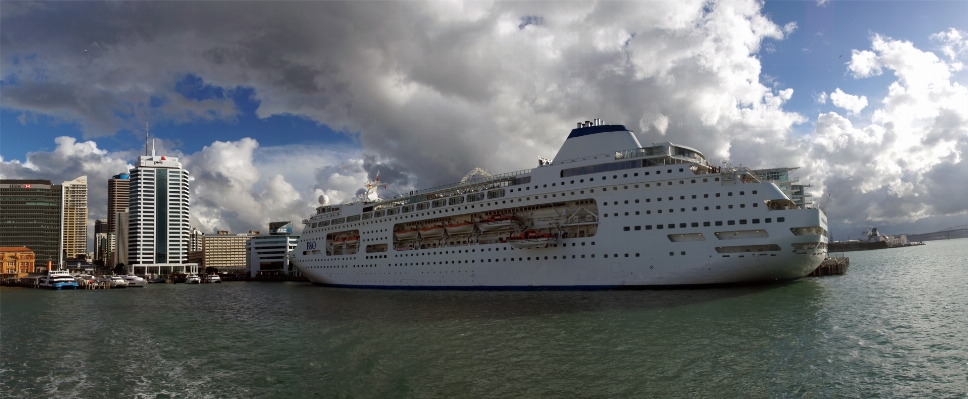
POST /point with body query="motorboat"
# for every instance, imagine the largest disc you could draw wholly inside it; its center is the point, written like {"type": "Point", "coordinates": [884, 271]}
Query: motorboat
{"type": "Point", "coordinates": [57, 280]}
{"type": "Point", "coordinates": [135, 281]}
{"type": "Point", "coordinates": [113, 281]}
{"type": "Point", "coordinates": [192, 279]}
{"type": "Point", "coordinates": [212, 278]}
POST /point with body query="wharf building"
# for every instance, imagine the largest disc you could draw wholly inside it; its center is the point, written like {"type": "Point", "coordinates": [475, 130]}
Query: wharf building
{"type": "Point", "coordinates": [788, 185]}
{"type": "Point", "coordinates": [75, 218]}
{"type": "Point", "coordinates": [31, 216]}
{"type": "Point", "coordinates": [17, 261]}
{"type": "Point", "coordinates": [158, 229]}
{"type": "Point", "coordinates": [268, 254]}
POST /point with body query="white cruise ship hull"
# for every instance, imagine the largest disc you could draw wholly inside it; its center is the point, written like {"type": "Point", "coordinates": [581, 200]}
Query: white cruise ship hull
{"type": "Point", "coordinates": [662, 221]}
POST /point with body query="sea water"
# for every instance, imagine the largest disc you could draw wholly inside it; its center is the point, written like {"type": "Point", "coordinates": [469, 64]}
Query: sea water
{"type": "Point", "coordinates": [896, 325]}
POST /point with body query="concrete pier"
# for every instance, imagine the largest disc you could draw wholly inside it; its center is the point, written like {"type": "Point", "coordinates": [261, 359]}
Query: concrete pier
{"type": "Point", "coordinates": [831, 266]}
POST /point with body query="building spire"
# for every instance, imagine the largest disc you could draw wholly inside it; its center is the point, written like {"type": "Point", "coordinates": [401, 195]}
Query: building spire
{"type": "Point", "coordinates": [146, 138]}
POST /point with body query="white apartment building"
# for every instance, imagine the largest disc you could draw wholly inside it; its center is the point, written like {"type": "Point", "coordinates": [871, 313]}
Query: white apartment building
{"type": "Point", "coordinates": [269, 253]}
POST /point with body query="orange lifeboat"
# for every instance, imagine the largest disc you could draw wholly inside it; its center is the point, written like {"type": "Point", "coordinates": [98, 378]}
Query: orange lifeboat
{"type": "Point", "coordinates": [431, 232]}
{"type": "Point", "coordinates": [531, 239]}
{"type": "Point", "coordinates": [461, 228]}
{"type": "Point", "coordinates": [352, 240]}
{"type": "Point", "coordinates": [498, 223]}
{"type": "Point", "coordinates": [405, 235]}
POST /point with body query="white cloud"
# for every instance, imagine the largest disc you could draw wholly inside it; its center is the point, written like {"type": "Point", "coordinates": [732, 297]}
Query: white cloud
{"type": "Point", "coordinates": [821, 98]}
{"type": "Point", "coordinates": [863, 64]}
{"type": "Point", "coordinates": [853, 104]}
{"type": "Point", "coordinates": [909, 161]}
{"type": "Point", "coordinates": [953, 43]}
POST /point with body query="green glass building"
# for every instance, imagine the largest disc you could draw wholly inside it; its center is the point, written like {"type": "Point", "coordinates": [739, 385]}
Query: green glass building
{"type": "Point", "coordinates": [31, 215]}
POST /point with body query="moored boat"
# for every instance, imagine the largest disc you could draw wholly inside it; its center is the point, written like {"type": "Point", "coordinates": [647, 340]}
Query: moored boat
{"type": "Point", "coordinates": [135, 281]}
{"type": "Point", "coordinates": [57, 280]}
{"type": "Point", "coordinates": [192, 279]}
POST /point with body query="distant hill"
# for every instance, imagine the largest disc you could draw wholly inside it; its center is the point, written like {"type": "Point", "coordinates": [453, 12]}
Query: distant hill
{"type": "Point", "coordinates": [938, 235]}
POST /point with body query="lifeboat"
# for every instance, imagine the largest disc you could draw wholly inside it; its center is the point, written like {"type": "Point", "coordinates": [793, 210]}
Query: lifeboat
{"type": "Point", "coordinates": [531, 239]}
{"type": "Point", "coordinates": [404, 235]}
{"type": "Point", "coordinates": [339, 241]}
{"type": "Point", "coordinates": [498, 223]}
{"type": "Point", "coordinates": [352, 240]}
{"type": "Point", "coordinates": [432, 232]}
{"type": "Point", "coordinates": [462, 228]}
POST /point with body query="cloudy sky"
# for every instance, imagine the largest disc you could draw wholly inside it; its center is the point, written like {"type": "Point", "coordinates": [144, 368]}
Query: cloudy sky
{"type": "Point", "coordinates": [269, 104]}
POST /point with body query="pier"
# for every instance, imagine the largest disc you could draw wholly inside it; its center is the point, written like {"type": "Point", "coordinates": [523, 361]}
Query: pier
{"type": "Point", "coordinates": [831, 266]}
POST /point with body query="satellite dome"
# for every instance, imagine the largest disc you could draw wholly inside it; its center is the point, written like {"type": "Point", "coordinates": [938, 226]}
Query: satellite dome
{"type": "Point", "coordinates": [323, 199]}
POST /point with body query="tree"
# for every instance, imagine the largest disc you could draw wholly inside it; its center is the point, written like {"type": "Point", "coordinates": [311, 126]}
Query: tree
{"type": "Point", "coordinates": [120, 269]}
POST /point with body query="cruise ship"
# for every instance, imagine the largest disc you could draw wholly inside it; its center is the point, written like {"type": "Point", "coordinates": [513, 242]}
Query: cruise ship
{"type": "Point", "coordinates": [605, 213]}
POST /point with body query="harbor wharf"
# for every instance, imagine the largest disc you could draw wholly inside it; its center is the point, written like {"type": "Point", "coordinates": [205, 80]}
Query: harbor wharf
{"type": "Point", "coordinates": [833, 265]}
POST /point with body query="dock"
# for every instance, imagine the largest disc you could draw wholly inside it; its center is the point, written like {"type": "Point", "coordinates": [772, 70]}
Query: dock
{"type": "Point", "coordinates": [831, 266]}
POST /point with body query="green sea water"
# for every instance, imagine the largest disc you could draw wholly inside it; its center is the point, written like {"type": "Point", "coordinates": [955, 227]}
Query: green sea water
{"type": "Point", "coordinates": [896, 325]}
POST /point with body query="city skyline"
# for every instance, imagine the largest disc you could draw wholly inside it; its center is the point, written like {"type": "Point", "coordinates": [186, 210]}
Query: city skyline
{"type": "Point", "coordinates": [270, 105]}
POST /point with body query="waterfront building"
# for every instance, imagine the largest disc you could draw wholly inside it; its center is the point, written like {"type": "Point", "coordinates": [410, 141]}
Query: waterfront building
{"type": "Point", "coordinates": [101, 248]}
{"type": "Point", "coordinates": [75, 218]}
{"type": "Point", "coordinates": [31, 216]}
{"type": "Point", "coordinates": [118, 192]}
{"type": "Point", "coordinates": [195, 240]}
{"type": "Point", "coordinates": [224, 250]}
{"type": "Point", "coordinates": [17, 261]}
{"type": "Point", "coordinates": [789, 185]}
{"type": "Point", "coordinates": [268, 254]}
{"type": "Point", "coordinates": [158, 216]}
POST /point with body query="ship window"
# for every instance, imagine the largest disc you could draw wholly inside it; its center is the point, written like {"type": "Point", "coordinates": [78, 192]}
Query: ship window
{"type": "Point", "coordinates": [616, 202]}
{"type": "Point", "coordinates": [717, 195]}
{"type": "Point", "coordinates": [648, 227]}
{"type": "Point", "coordinates": [756, 221]}
{"type": "Point", "coordinates": [626, 201]}
{"type": "Point", "coordinates": [636, 212]}
{"type": "Point", "coordinates": [755, 204]}
{"type": "Point", "coordinates": [693, 181]}
{"type": "Point", "coordinates": [706, 224]}
{"type": "Point", "coordinates": [583, 244]}
{"type": "Point", "coordinates": [718, 207]}
{"type": "Point", "coordinates": [730, 207]}
{"type": "Point", "coordinates": [729, 194]}
{"type": "Point", "coordinates": [672, 225]}
{"type": "Point", "coordinates": [705, 195]}
{"type": "Point", "coordinates": [591, 179]}
{"type": "Point", "coordinates": [682, 225]}
{"type": "Point", "coordinates": [719, 222]}
{"type": "Point", "coordinates": [648, 200]}
{"type": "Point", "coordinates": [669, 171]}
{"type": "Point", "coordinates": [626, 213]}
{"type": "Point", "coordinates": [695, 224]}
{"type": "Point", "coordinates": [742, 205]}
{"type": "Point", "coordinates": [648, 212]}
{"type": "Point", "coordinates": [636, 201]}
{"type": "Point", "coordinates": [780, 220]}
{"type": "Point", "coordinates": [626, 228]}
{"type": "Point", "coordinates": [742, 221]}
{"type": "Point", "coordinates": [637, 228]}
{"type": "Point", "coordinates": [606, 255]}
{"type": "Point", "coordinates": [671, 253]}
{"type": "Point", "coordinates": [694, 209]}
{"type": "Point", "coordinates": [659, 199]}
{"type": "Point", "coordinates": [742, 193]}
{"type": "Point", "coordinates": [658, 172]}
{"type": "Point", "coordinates": [646, 173]}
{"type": "Point", "coordinates": [754, 192]}
{"type": "Point", "coordinates": [731, 222]}
{"type": "Point", "coordinates": [705, 180]}
{"type": "Point", "coordinates": [544, 186]}
{"type": "Point", "coordinates": [769, 220]}
{"type": "Point", "coordinates": [717, 179]}
{"type": "Point", "coordinates": [572, 182]}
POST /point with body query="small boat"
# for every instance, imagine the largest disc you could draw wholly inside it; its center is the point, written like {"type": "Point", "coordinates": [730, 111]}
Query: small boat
{"type": "Point", "coordinates": [135, 281]}
{"type": "Point", "coordinates": [113, 281]}
{"type": "Point", "coordinates": [432, 232]}
{"type": "Point", "coordinates": [192, 279]}
{"type": "Point", "coordinates": [57, 280]}
{"type": "Point", "coordinates": [531, 239]}
{"type": "Point", "coordinates": [352, 240]}
{"type": "Point", "coordinates": [498, 223]}
{"type": "Point", "coordinates": [212, 278]}
{"type": "Point", "coordinates": [402, 235]}
{"type": "Point", "coordinates": [461, 228]}
{"type": "Point", "coordinates": [84, 280]}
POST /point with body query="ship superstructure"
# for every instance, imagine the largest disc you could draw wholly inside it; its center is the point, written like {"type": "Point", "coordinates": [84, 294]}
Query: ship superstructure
{"type": "Point", "coordinates": [605, 212]}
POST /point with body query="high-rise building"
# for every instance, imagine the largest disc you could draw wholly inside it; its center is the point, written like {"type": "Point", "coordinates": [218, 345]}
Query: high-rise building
{"type": "Point", "coordinates": [781, 177]}
{"type": "Point", "coordinates": [118, 187]}
{"type": "Point", "coordinates": [30, 216]}
{"type": "Point", "coordinates": [158, 227]}
{"type": "Point", "coordinates": [75, 218]}
{"type": "Point", "coordinates": [119, 253]}
{"type": "Point", "coordinates": [101, 248]}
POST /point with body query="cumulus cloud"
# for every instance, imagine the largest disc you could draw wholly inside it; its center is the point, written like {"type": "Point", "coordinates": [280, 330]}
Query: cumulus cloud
{"type": "Point", "coordinates": [850, 103]}
{"type": "Point", "coordinates": [821, 98]}
{"type": "Point", "coordinates": [953, 43]}
{"type": "Point", "coordinates": [430, 90]}
{"type": "Point", "coordinates": [905, 163]}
